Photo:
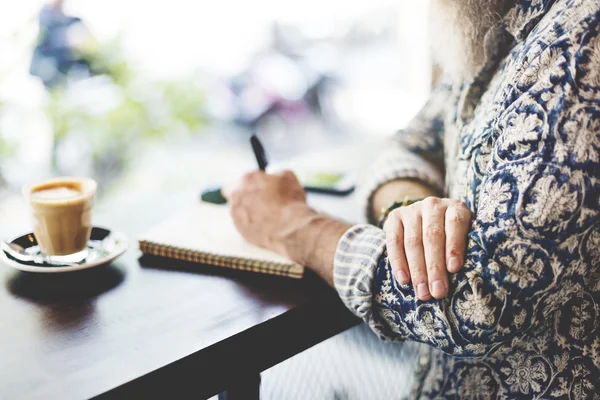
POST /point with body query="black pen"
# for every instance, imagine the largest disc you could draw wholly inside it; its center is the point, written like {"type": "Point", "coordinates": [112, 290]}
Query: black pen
{"type": "Point", "coordinates": [215, 195]}
{"type": "Point", "coordinates": [259, 152]}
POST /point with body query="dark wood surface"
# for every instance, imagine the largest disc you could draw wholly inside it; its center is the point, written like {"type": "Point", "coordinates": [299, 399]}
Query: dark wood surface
{"type": "Point", "coordinates": [154, 328]}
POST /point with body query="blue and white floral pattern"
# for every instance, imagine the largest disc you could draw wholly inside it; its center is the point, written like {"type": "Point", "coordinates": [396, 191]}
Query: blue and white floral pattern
{"type": "Point", "coordinates": [521, 145]}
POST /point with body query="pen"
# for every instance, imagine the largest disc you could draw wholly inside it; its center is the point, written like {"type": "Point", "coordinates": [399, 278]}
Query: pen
{"type": "Point", "coordinates": [215, 196]}
{"type": "Point", "coordinates": [259, 153]}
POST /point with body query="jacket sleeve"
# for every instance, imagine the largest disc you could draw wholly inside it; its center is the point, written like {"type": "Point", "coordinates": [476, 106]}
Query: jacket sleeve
{"type": "Point", "coordinates": [536, 237]}
{"type": "Point", "coordinates": [415, 152]}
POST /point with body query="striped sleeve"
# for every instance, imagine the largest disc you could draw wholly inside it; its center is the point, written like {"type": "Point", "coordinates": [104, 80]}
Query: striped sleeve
{"type": "Point", "coordinates": [355, 265]}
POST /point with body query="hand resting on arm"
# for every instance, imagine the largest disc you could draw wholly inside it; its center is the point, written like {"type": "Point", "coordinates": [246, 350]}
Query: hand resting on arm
{"type": "Point", "coordinates": [271, 211]}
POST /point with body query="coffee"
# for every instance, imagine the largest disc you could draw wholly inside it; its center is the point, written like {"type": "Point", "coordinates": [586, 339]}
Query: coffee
{"type": "Point", "coordinates": [62, 214]}
{"type": "Point", "coordinates": [56, 193]}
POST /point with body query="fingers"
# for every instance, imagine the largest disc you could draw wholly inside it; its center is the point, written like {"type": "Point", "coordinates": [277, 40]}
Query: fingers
{"type": "Point", "coordinates": [413, 248]}
{"type": "Point", "coordinates": [434, 241]}
{"type": "Point", "coordinates": [394, 238]}
{"type": "Point", "coordinates": [256, 178]}
{"type": "Point", "coordinates": [457, 225]}
{"type": "Point", "coordinates": [286, 173]}
{"type": "Point", "coordinates": [425, 241]}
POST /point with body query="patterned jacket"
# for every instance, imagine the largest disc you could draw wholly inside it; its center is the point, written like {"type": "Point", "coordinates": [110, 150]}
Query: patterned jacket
{"type": "Point", "coordinates": [520, 145]}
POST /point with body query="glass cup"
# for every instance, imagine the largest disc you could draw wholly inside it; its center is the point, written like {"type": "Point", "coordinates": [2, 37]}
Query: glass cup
{"type": "Point", "coordinates": [62, 216]}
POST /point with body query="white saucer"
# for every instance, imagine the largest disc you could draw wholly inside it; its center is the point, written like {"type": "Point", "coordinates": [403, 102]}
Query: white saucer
{"type": "Point", "coordinates": [104, 246]}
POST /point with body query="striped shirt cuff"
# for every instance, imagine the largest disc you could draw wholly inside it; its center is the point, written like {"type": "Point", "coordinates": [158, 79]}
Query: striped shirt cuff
{"type": "Point", "coordinates": [355, 265]}
{"type": "Point", "coordinates": [399, 164]}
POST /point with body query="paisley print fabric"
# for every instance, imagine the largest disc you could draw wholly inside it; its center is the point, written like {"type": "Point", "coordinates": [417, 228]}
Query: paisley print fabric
{"type": "Point", "coordinates": [520, 145]}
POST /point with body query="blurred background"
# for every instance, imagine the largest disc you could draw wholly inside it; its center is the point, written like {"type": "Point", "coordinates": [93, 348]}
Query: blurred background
{"type": "Point", "coordinates": [144, 95]}
{"type": "Point", "coordinates": [156, 100]}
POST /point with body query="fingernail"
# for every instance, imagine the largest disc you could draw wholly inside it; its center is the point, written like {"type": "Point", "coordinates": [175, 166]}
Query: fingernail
{"type": "Point", "coordinates": [454, 264]}
{"type": "Point", "coordinates": [438, 288]}
{"type": "Point", "coordinates": [401, 277]}
{"type": "Point", "coordinates": [422, 290]}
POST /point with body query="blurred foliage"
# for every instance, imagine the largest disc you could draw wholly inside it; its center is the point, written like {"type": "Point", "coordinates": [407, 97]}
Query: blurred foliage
{"type": "Point", "coordinates": [7, 148]}
{"type": "Point", "coordinates": [118, 108]}
{"type": "Point", "coordinates": [319, 179]}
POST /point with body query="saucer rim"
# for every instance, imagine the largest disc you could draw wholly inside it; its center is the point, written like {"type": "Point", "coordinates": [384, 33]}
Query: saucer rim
{"type": "Point", "coordinates": [124, 245]}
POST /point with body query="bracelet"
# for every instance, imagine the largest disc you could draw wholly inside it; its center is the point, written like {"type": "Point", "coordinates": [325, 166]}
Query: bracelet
{"type": "Point", "coordinates": [385, 212]}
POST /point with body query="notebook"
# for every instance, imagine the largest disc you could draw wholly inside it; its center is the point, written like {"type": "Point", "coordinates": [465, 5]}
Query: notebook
{"type": "Point", "coordinates": [204, 233]}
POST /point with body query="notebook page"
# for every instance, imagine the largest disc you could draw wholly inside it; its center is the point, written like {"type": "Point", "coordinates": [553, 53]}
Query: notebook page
{"type": "Point", "coordinates": [208, 228]}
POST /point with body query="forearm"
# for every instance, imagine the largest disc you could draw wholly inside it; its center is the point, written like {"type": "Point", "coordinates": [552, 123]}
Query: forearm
{"type": "Point", "coordinates": [311, 239]}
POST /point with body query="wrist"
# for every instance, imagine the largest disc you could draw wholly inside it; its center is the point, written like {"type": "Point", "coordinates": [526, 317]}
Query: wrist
{"type": "Point", "coordinates": [310, 239]}
{"type": "Point", "coordinates": [295, 218]}
{"type": "Point", "coordinates": [395, 191]}
{"type": "Point", "coordinates": [385, 212]}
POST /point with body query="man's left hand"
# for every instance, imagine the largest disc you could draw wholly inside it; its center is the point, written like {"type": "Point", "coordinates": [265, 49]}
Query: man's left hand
{"type": "Point", "coordinates": [425, 241]}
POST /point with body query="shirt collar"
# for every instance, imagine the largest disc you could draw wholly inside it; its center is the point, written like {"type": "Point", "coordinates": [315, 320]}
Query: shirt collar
{"type": "Point", "coordinates": [524, 16]}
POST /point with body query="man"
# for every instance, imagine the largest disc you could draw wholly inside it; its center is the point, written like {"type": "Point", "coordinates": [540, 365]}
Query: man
{"type": "Point", "coordinates": [59, 52]}
{"type": "Point", "coordinates": [515, 129]}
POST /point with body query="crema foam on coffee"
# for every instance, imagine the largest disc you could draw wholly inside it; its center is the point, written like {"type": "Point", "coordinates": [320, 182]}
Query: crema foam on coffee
{"type": "Point", "coordinates": [56, 193]}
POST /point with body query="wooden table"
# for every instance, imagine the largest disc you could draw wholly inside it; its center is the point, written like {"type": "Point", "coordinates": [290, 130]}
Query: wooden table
{"type": "Point", "coordinates": [156, 329]}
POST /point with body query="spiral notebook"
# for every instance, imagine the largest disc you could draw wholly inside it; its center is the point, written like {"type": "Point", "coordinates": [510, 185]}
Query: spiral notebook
{"type": "Point", "coordinates": [205, 234]}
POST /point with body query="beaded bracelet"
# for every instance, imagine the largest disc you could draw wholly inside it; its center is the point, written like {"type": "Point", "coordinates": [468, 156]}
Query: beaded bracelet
{"type": "Point", "coordinates": [385, 212]}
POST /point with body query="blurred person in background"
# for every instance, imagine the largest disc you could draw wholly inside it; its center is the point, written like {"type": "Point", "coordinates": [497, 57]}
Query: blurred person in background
{"type": "Point", "coordinates": [488, 202]}
{"type": "Point", "coordinates": [59, 53]}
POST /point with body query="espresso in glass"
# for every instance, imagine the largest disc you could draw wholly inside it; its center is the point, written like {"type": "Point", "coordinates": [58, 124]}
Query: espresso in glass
{"type": "Point", "coordinates": [62, 216]}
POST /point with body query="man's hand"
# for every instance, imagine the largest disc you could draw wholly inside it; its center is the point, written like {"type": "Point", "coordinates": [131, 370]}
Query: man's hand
{"type": "Point", "coordinates": [262, 207]}
{"type": "Point", "coordinates": [425, 241]}
{"type": "Point", "coordinates": [271, 211]}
